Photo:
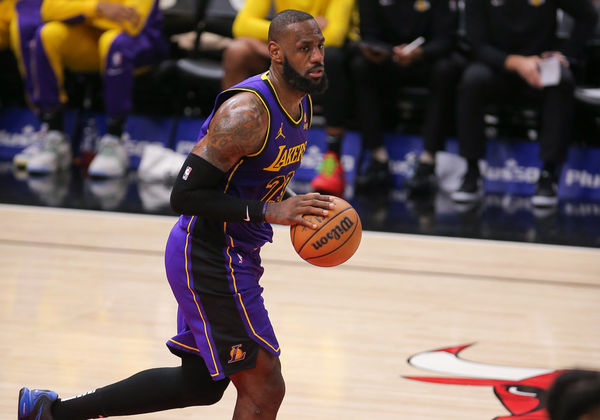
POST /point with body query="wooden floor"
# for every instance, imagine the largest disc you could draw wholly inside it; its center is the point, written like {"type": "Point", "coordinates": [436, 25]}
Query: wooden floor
{"type": "Point", "coordinates": [85, 302]}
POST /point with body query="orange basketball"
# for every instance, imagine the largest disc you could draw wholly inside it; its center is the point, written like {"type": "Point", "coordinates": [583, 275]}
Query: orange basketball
{"type": "Point", "coordinates": [334, 241]}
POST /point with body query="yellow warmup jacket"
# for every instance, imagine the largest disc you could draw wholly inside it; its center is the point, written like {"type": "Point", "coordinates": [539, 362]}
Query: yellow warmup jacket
{"type": "Point", "coordinates": [252, 22]}
{"type": "Point", "coordinates": [7, 14]}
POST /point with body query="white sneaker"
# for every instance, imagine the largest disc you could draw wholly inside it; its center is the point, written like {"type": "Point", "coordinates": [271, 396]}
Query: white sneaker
{"type": "Point", "coordinates": [111, 161]}
{"type": "Point", "coordinates": [35, 139]}
{"type": "Point", "coordinates": [54, 155]}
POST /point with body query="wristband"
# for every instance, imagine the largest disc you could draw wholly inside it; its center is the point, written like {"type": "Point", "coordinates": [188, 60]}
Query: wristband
{"type": "Point", "coordinates": [264, 212]}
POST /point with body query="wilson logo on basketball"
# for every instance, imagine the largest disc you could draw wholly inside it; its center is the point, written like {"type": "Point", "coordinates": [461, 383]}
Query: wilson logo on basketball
{"type": "Point", "coordinates": [336, 233]}
{"type": "Point", "coordinates": [334, 236]}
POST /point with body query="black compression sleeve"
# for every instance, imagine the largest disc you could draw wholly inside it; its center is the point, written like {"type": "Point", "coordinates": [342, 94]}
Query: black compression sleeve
{"type": "Point", "coordinates": [198, 190]}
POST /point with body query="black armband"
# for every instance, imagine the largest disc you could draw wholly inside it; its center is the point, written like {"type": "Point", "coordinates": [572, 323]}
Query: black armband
{"type": "Point", "coordinates": [198, 190]}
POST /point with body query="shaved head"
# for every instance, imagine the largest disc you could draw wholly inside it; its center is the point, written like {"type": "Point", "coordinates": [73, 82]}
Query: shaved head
{"type": "Point", "coordinates": [283, 19]}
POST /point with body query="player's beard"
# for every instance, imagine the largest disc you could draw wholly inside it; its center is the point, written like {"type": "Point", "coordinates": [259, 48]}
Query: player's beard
{"type": "Point", "coordinates": [301, 83]}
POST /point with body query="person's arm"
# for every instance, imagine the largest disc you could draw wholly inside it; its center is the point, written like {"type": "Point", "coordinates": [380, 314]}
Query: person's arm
{"type": "Point", "coordinates": [68, 10]}
{"type": "Point", "coordinates": [586, 17]}
{"type": "Point", "coordinates": [251, 21]}
{"type": "Point", "coordinates": [477, 34]}
{"type": "Point", "coordinates": [135, 24]}
{"type": "Point", "coordinates": [338, 16]}
{"type": "Point", "coordinates": [99, 13]}
{"type": "Point", "coordinates": [237, 129]}
{"type": "Point", "coordinates": [131, 17]}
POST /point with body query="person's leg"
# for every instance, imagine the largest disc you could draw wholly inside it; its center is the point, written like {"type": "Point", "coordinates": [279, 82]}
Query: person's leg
{"type": "Point", "coordinates": [243, 58]}
{"type": "Point", "coordinates": [338, 97]}
{"type": "Point", "coordinates": [370, 80]}
{"type": "Point", "coordinates": [474, 93]}
{"type": "Point", "coordinates": [369, 104]}
{"type": "Point", "coordinates": [260, 390]}
{"type": "Point", "coordinates": [117, 51]}
{"type": "Point", "coordinates": [57, 46]}
{"type": "Point", "coordinates": [48, 83]}
{"type": "Point", "coordinates": [145, 392]}
{"type": "Point", "coordinates": [557, 115]}
{"type": "Point", "coordinates": [22, 30]}
{"type": "Point", "coordinates": [441, 108]}
{"type": "Point", "coordinates": [555, 132]}
{"type": "Point", "coordinates": [440, 114]}
{"type": "Point", "coordinates": [148, 391]}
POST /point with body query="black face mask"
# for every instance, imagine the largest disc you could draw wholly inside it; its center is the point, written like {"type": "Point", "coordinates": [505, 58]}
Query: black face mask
{"type": "Point", "coordinates": [301, 83]}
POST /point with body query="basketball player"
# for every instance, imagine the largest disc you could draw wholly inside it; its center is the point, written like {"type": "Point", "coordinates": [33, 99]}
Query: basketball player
{"type": "Point", "coordinates": [248, 54]}
{"type": "Point", "coordinates": [228, 191]}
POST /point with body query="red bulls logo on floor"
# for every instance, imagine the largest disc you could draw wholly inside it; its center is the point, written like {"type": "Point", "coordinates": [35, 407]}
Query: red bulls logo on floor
{"type": "Point", "coordinates": [521, 390]}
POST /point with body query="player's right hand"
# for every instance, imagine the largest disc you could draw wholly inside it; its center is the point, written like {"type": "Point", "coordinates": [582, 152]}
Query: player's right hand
{"type": "Point", "coordinates": [290, 211]}
{"type": "Point", "coordinates": [118, 13]}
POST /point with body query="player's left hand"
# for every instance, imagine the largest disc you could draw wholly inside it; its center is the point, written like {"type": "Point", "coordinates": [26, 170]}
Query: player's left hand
{"type": "Point", "coordinates": [290, 211]}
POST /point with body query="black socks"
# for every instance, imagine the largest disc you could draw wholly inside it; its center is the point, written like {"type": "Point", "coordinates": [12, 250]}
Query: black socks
{"type": "Point", "coordinates": [114, 126]}
{"type": "Point", "coordinates": [148, 391]}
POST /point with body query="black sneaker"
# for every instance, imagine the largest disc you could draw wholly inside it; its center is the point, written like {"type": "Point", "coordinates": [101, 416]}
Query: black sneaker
{"type": "Point", "coordinates": [470, 190]}
{"type": "Point", "coordinates": [376, 176]}
{"type": "Point", "coordinates": [423, 180]}
{"type": "Point", "coordinates": [546, 189]}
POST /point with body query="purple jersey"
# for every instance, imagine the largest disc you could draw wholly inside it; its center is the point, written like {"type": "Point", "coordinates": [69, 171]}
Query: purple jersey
{"type": "Point", "coordinates": [214, 267]}
{"type": "Point", "coordinates": [264, 175]}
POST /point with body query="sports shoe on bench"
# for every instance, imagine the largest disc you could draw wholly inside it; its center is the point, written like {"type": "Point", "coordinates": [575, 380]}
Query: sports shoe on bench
{"type": "Point", "coordinates": [35, 404]}
{"type": "Point", "coordinates": [546, 191]}
{"type": "Point", "coordinates": [111, 161]}
{"type": "Point", "coordinates": [54, 155]}
{"type": "Point", "coordinates": [330, 179]}
{"type": "Point", "coordinates": [35, 139]}
{"type": "Point", "coordinates": [423, 180]}
{"type": "Point", "coordinates": [470, 190]}
{"type": "Point", "coordinates": [376, 177]}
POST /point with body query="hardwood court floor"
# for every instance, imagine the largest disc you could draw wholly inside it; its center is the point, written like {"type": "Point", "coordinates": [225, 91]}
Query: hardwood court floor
{"type": "Point", "coordinates": [85, 302]}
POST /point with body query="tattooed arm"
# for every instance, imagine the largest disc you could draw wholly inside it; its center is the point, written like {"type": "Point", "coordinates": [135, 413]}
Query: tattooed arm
{"type": "Point", "coordinates": [238, 128]}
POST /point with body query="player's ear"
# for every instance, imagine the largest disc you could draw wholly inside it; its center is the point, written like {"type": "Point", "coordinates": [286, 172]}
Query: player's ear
{"type": "Point", "coordinates": [275, 52]}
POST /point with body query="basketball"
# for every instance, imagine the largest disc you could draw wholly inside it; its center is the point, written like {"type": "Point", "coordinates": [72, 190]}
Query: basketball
{"type": "Point", "coordinates": [334, 241]}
